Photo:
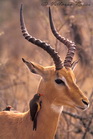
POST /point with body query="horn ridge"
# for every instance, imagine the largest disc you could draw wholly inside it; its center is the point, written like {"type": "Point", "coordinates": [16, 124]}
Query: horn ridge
{"type": "Point", "coordinates": [51, 51]}
{"type": "Point", "coordinates": [70, 45]}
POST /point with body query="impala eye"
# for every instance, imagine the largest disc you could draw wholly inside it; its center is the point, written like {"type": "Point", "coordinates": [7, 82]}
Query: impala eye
{"type": "Point", "coordinates": [59, 81]}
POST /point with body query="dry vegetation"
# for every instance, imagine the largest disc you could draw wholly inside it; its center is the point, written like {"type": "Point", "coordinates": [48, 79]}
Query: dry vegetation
{"type": "Point", "coordinates": [17, 84]}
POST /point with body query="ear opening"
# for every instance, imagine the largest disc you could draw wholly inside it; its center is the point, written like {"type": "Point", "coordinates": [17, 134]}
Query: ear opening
{"type": "Point", "coordinates": [34, 68]}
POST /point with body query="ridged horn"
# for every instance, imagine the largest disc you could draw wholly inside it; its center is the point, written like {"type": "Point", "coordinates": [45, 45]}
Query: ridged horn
{"type": "Point", "coordinates": [70, 45]}
{"type": "Point", "coordinates": [51, 51]}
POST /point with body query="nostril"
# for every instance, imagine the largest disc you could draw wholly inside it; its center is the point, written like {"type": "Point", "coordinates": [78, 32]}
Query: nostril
{"type": "Point", "coordinates": [86, 103]}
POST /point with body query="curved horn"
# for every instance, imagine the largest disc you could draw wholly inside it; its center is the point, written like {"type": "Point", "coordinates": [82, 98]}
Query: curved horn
{"type": "Point", "coordinates": [70, 45]}
{"type": "Point", "coordinates": [56, 58]}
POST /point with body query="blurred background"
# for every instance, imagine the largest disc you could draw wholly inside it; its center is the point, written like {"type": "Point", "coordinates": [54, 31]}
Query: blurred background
{"type": "Point", "coordinates": [73, 20]}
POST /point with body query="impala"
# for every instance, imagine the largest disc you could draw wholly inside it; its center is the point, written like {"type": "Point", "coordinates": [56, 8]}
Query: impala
{"type": "Point", "coordinates": [58, 86]}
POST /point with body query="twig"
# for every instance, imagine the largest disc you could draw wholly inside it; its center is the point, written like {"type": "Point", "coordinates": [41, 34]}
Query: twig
{"type": "Point", "coordinates": [74, 115]}
{"type": "Point", "coordinates": [88, 127]}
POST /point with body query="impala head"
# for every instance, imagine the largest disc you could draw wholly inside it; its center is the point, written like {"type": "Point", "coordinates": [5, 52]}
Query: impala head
{"type": "Point", "coordinates": [58, 82]}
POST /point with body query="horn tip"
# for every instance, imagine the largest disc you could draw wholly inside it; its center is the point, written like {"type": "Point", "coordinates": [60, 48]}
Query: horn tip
{"type": "Point", "coordinates": [21, 7]}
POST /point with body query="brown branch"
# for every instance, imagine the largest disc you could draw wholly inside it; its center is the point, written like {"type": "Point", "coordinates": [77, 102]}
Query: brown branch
{"type": "Point", "coordinates": [74, 115]}
{"type": "Point", "coordinates": [83, 121]}
{"type": "Point", "coordinates": [88, 127]}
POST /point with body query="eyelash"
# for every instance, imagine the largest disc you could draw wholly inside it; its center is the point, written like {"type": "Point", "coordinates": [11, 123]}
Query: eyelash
{"type": "Point", "coordinates": [59, 81]}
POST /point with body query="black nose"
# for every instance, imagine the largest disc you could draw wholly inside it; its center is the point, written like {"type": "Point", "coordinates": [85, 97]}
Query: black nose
{"type": "Point", "coordinates": [86, 103]}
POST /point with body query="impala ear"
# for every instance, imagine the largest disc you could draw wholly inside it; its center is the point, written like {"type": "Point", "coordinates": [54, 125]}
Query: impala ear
{"type": "Point", "coordinates": [74, 64]}
{"type": "Point", "coordinates": [34, 68]}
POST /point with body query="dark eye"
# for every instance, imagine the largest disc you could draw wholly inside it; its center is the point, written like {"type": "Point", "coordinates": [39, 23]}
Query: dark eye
{"type": "Point", "coordinates": [59, 81]}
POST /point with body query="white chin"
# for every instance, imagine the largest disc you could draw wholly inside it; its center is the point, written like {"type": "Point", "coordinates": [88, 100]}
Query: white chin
{"type": "Point", "coordinates": [83, 108]}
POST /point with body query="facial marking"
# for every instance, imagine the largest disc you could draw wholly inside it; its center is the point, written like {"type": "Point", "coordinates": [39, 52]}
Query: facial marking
{"type": "Point", "coordinates": [64, 79]}
{"type": "Point", "coordinates": [68, 78]}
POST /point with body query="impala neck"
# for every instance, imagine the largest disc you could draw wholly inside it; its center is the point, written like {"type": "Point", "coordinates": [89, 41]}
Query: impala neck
{"type": "Point", "coordinates": [47, 120]}
{"type": "Point", "coordinates": [48, 117]}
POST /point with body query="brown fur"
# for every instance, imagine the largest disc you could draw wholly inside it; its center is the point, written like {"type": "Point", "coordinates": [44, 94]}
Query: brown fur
{"type": "Point", "coordinates": [19, 126]}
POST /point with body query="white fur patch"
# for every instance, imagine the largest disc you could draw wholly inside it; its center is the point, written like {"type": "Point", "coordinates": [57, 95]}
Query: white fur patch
{"type": "Point", "coordinates": [63, 79]}
{"type": "Point", "coordinates": [57, 109]}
